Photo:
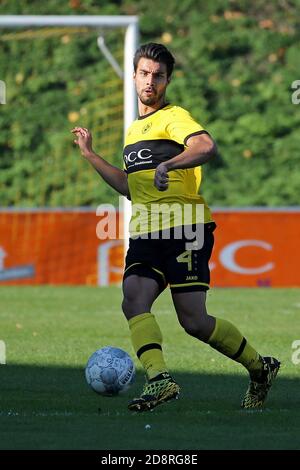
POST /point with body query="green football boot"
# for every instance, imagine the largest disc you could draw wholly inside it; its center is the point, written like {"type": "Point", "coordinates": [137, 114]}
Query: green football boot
{"type": "Point", "coordinates": [258, 389]}
{"type": "Point", "coordinates": [158, 390]}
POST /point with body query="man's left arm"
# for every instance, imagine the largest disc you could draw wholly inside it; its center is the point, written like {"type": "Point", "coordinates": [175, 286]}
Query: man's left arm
{"type": "Point", "coordinates": [200, 149]}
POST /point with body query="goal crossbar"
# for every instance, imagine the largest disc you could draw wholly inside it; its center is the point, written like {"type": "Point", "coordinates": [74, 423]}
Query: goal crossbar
{"type": "Point", "coordinates": [131, 23]}
{"type": "Point", "coordinates": [109, 21]}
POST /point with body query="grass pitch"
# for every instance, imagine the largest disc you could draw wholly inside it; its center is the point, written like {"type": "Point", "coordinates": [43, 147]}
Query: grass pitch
{"type": "Point", "coordinates": [51, 331]}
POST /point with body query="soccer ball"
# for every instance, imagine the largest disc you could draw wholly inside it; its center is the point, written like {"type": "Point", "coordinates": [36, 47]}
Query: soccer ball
{"type": "Point", "coordinates": [110, 371]}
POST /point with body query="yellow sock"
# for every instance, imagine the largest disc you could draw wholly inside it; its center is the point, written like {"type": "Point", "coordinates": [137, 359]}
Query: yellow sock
{"type": "Point", "coordinates": [227, 339]}
{"type": "Point", "coordinates": [146, 339]}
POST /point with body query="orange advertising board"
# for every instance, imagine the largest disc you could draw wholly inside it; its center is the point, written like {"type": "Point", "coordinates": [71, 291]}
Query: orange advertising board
{"type": "Point", "coordinates": [252, 248]}
{"type": "Point", "coordinates": [256, 248]}
{"type": "Point", "coordinates": [56, 247]}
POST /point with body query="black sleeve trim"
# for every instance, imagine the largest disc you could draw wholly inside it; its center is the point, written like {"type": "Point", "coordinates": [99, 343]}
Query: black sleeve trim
{"type": "Point", "coordinates": [194, 133]}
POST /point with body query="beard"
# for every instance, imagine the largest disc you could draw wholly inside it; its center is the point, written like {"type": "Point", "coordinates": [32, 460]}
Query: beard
{"type": "Point", "coordinates": [151, 100]}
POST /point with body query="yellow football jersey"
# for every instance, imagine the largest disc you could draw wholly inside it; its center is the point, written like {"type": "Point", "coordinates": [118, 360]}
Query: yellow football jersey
{"type": "Point", "coordinates": [150, 140]}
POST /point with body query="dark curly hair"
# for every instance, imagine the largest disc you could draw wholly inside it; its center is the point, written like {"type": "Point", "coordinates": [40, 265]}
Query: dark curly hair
{"type": "Point", "coordinates": [156, 52]}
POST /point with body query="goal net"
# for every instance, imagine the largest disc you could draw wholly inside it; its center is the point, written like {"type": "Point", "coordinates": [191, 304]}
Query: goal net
{"type": "Point", "coordinates": [55, 78]}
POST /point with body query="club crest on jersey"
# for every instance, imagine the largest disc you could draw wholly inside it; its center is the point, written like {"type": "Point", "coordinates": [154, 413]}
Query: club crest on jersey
{"type": "Point", "coordinates": [147, 127]}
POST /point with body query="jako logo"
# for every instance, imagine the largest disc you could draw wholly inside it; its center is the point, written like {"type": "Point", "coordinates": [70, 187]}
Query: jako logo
{"type": "Point", "coordinates": [296, 354]}
{"type": "Point", "coordinates": [142, 154]}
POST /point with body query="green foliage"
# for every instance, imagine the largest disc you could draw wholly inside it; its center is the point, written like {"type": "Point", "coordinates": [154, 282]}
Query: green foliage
{"type": "Point", "coordinates": [236, 61]}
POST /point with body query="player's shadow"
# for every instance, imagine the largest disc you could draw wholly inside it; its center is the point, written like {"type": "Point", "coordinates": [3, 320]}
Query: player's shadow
{"type": "Point", "coordinates": [53, 408]}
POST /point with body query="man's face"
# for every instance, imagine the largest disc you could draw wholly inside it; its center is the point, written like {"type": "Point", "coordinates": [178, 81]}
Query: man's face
{"type": "Point", "coordinates": [151, 81]}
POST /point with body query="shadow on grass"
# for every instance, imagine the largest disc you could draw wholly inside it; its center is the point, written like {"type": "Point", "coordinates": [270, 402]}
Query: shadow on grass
{"type": "Point", "coordinates": [53, 408]}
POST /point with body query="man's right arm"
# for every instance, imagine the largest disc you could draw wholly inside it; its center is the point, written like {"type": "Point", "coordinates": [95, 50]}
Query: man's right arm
{"type": "Point", "coordinates": [112, 175]}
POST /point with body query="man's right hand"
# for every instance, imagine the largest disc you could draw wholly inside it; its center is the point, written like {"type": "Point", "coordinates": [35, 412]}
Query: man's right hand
{"type": "Point", "coordinates": [112, 175]}
{"type": "Point", "coordinates": [83, 140]}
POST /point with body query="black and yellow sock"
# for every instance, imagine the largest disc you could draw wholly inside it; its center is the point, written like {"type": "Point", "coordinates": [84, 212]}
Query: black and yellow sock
{"type": "Point", "coordinates": [227, 339]}
{"type": "Point", "coordinates": [146, 339]}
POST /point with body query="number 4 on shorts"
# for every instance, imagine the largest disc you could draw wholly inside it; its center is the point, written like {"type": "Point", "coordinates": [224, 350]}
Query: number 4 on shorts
{"type": "Point", "coordinates": [186, 257]}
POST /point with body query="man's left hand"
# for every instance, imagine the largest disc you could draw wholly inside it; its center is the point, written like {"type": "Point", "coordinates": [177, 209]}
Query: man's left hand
{"type": "Point", "coordinates": [161, 178]}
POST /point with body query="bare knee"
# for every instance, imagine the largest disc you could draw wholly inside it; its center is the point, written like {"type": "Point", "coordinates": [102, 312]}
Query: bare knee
{"type": "Point", "coordinates": [133, 304]}
{"type": "Point", "coordinates": [192, 314]}
{"type": "Point", "coordinates": [197, 332]}
{"type": "Point", "coordinates": [132, 307]}
{"type": "Point", "coordinates": [200, 328]}
{"type": "Point", "coordinates": [139, 295]}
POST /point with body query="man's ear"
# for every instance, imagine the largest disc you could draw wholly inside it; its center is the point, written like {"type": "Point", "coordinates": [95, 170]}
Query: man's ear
{"type": "Point", "coordinates": [169, 79]}
{"type": "Point", "coordinates": [134, 75]}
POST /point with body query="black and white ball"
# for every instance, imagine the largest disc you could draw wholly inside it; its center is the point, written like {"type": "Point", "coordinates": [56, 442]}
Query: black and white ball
{"type": "Point", "coordinates": [110, 371]}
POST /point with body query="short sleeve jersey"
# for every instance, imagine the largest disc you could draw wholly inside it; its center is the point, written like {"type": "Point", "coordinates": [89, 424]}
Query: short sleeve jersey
{"type": "Point", "coordinates": [150, 140]}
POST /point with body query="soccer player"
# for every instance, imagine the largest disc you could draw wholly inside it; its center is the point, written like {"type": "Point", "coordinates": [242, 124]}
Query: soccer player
{"type": "Point", "coordinates": [163, 154]}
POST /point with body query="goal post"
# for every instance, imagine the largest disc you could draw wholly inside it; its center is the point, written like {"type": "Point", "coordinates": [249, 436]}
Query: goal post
{"type": "Point", "coordinates": [131, 25]}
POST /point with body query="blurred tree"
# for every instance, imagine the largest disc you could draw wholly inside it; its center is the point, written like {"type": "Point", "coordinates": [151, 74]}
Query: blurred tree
{"type": "Point", "coordinates": [236, 61]}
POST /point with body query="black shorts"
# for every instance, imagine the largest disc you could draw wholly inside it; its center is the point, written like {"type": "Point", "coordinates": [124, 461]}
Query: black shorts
{"type": "Point", "coordinates": [168, 261]}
